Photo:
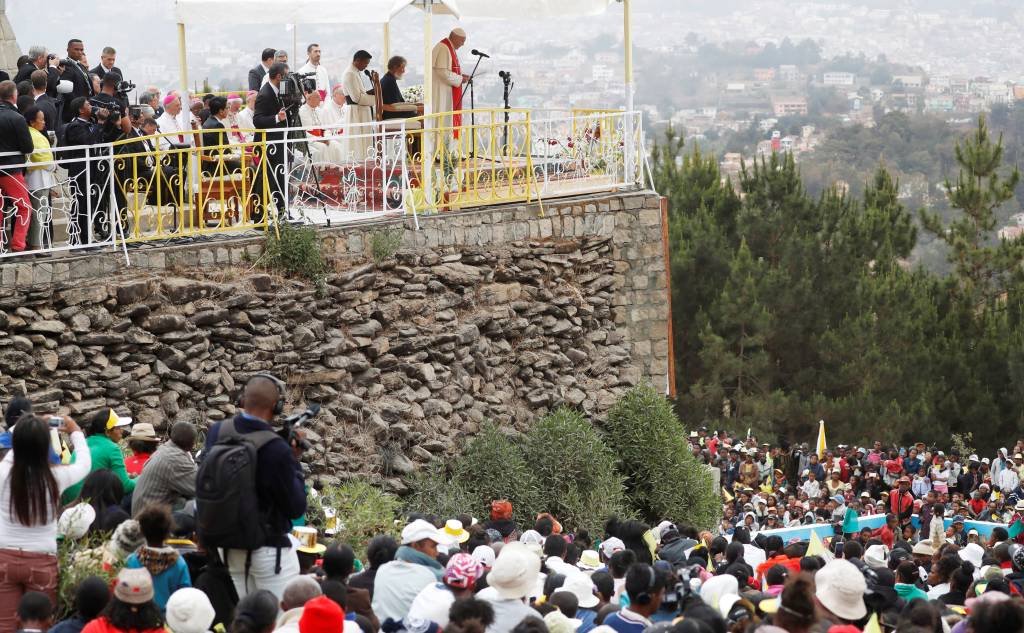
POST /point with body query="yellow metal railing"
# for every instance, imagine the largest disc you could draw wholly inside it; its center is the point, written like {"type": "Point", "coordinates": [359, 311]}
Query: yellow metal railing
{"type": "Point", "coordinates": [484, 160]}
{"type": "Point", "coordinates": [167, 189]}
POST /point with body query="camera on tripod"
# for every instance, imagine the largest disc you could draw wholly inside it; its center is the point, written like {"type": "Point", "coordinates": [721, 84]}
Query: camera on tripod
{"type": "Point", "coordinates": [294, 88]}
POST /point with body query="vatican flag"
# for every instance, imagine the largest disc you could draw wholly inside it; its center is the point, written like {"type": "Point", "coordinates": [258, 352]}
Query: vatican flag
{"type": "Point", "coordinates": [821, 445]}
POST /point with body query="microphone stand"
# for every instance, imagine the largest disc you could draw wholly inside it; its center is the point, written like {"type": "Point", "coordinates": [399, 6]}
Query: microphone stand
{"type": "Point", "coordinates": [472, 107]}
{"type": "Point", "coordinates": [506, 79]}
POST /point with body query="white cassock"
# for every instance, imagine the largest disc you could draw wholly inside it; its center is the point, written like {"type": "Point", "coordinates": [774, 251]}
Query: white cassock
{"type": "Point", "coordinates": [175, 125]}
{"type": "Point", "coordinates": [357, 141]}
{"type": "Point", "coordinates": [321, 150]}
{"type": "Point", "coordinates": [244, 121]}
{"type": "Point", "coordinates": [444, 80]}
{"type": "Point", "coordinates": [323, 82]}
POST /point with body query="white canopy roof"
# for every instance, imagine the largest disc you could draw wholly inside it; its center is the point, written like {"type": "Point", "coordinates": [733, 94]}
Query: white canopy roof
{"type": "Point", "coordinates": [211, 12]}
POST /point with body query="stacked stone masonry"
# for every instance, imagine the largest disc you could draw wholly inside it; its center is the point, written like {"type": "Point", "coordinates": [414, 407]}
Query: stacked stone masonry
{"type": "Point", "coordinates": [498, 314]}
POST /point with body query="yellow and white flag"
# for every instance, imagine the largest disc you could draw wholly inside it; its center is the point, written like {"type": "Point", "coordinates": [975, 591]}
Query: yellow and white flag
{"type": "Point", "coordinates": [821, 445]}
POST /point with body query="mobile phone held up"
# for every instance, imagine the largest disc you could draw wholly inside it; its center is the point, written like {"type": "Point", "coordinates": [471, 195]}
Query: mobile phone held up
{"type": "Point", "coordinates": [56, 421]}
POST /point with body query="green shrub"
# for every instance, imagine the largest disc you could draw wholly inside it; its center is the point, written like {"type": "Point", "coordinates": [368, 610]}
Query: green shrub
{"type": "Point", "coordinates": [385, 243]}
{"type": "Point", "coordinates": [76, 561]}
{"type": "Point", "coordinates": [435, 491]}
{"type": "Point", "coordinates": [492, 467]}
{"type": "Point", "coordinates": [363, 511]}
{"type": "Point", "coordinates": [575, 470]}
{"type": "Point", "coordinates": [663, 479]}
{"type": "Point", "coordinates": [295, 251]}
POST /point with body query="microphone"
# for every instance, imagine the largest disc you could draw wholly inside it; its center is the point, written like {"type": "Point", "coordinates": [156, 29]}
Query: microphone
{"type": "Point", "coordinates": [367, 73]}
{"type": "Point", "coordinates": [479, 54]}
{"type": "Point", "coordinates": [504, 74]}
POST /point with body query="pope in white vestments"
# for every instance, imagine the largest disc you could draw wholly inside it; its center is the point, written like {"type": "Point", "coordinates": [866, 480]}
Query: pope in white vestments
{"type": "Point", "coordinates": [357, 140]}
{"type": "Point", "coordinates": [448, 78]}
{"type": "Point", "coordinates": [312, 115]}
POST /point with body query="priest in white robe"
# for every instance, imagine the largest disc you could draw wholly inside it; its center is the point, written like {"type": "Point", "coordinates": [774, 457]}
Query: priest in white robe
{"type": "Point", "coordinates": [448, 79]}
{"type": "Point", "coordinates": [311, 115]}
{"type": "Point", "coordinates": [313, 65]}
{"type": "Point", "coordinates": [357, 140]}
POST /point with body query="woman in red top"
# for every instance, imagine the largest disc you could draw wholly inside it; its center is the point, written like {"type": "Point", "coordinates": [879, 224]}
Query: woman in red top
{"type": "Point", "coordinates": [131, 609]}
{"type": "Point", "coordinates": [143, 442]}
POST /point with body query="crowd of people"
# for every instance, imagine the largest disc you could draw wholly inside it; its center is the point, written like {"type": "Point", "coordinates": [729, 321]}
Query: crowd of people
{"type": "Point", "coordinates": [212, 537]}
{"type": "Point", "coordinates": [55, 102]}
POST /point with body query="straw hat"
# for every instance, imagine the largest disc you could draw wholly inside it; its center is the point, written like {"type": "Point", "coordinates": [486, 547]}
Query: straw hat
{"type": "Point", "coordinates": [143, 432]}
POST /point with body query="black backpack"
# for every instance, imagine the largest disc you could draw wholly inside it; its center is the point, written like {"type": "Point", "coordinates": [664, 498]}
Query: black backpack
{"type": "Point", "coordinates": [226, 500]}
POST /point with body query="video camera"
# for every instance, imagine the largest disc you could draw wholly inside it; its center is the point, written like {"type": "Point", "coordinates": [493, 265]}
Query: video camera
{"type": "Point", "coordinates": [687, 587]}
{"type": "Point", "coordinates": [123, 88]}
{"type": "Point", "coordinates": [113, 108]}
{"type": "Point", "coordinates": [294, 87]}
{"type": "Point", "coordinates": [294, 422]}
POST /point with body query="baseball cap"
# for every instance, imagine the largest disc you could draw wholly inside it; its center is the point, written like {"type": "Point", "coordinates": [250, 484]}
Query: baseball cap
{"type": "Point", "coordinates": [420, 530]}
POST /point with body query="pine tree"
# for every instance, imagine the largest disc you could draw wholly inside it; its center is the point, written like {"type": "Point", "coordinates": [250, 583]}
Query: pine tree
{"type": "Point", "coordinates": [982, 267]}
{"type": "Point", "coordinates": [734, 357]}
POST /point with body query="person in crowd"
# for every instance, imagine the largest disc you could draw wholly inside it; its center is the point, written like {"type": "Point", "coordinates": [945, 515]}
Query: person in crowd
{"type": "Point", "coordinates": [103, 490]}
{"type": "Point", "coordinates": [143, 442]}
{"type": "Point", "coordinates": [313, 114]}
{"type": "Point", "coordinates": [269, 114]}
{"type": "Point", "coordinates": [39, 178]}
{"type": "Point", "coordinates": [218, 158]}
{"type": "Point", "coordinates": [256, 613]}
{"type": "Point", "coordinates": [357, 140]}
{"type": "Point", "coordinates": [103, 433]}
{"type": "Point", "coordinates": [338, 563]}
{"type": "Point", "coordinates": [510, 584]}
{"type": "Point", "coordinates": [108, 57]}
{"type": "Point", "coordinates": [189, 611]}
{"type": "Point", "coordinates": [131, 609]}
{"type": "Point", "coordinates": [299, 591]}
{"type": "Point", "coordinates": [170, 474]}
{"type": "Point", "coordinates": [91, 597]}
{"type": "Point", "coordinates": [167, 568]}
{"type": "Point", "coordinates": [44, 101]}
{"type": "Point", "coordinates": [380, 551]}
{"type": "Point", "coordinates": [415, 567]}
{"type": "Point", "coordinates": [175, 125]}
{"type": "Point", "coordinates": [260, 71]}
{"type": "Point", "coordinates": [280, 489]}
{"type": "Point", "coordinates": [30, 489]}
{"type": "Point", "coordinates": [14, 137]}
{"type": "Point", "coordinates": [645, 587]}
{"type": "Point", "coordinates": [313, 65]}
{"type": "Point", "coordinates": [395, 106]}
{"type": "Point", "coordinates": [459, 581]}
{"type": "Point", "coordinates": [35, 613]}
{"type": "Point", "coordinates": [78, 76]}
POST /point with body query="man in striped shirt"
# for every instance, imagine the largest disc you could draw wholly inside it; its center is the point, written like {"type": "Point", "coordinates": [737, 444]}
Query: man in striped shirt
{"type": "Point", "coordinates": [169, 476]}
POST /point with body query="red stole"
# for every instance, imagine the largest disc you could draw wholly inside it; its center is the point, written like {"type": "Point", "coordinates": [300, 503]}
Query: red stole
{"type": "Point", "coordinates": [456, 90]}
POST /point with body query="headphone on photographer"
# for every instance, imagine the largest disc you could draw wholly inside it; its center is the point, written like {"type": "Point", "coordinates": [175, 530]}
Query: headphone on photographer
{"type": "Point", "coordinates": [646, 597]}
{"type": "Point", "coordinates": [279, 405]}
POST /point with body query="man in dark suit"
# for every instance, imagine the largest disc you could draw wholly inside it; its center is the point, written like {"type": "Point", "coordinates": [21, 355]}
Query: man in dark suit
{"type": "Point", "coordinates": [78, 75]}
{"type": "Point", "coordinates": [256, 74]}
{"type": "Point", "coordinates": [90, 215]}
{"type": "Point", "coordinates": [39, 59]}
{"type": "Point", "coordinates": [270, 114]}
{"type": "Point", "coordinates": [215, 138]}
{"type": "Point", "coordinates": [44, 102]}
{"type": "Point", "coordinates": [106, 65]}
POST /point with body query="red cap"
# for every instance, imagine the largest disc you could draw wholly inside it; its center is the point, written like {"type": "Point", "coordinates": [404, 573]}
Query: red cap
{"type": "Point", "coordinates": [321, 614]}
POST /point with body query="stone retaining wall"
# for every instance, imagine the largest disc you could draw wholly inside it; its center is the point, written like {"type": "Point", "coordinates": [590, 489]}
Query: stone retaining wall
{"type": "Point", "coordinates": [496, 314]}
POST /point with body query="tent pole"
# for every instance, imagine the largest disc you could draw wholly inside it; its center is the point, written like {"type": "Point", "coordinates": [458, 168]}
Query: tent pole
{"type": "Point", "coordinates": [427, 162]}
{"type": "Point", "coordinates": [183, 64]}
{"type": "Point", "coordinates": [629, 157]}
{"type": "Point", "coordinates": [387, 43]}
{"type": "Point", "coordinates": [295, 46]}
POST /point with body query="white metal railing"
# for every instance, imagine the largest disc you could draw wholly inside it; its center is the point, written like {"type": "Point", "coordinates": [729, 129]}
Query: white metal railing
{"type": "Point", "coordinates": [151, 189]}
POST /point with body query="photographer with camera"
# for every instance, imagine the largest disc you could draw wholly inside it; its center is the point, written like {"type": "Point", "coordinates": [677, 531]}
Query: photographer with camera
{"type": "Point", "coordinates": [111, 95]}
{"type": "Point", "coordinates": [40, 59]}
{"type": "Point", "coordinates": [270, 114]}
{"type": "Point", "coordinates": [89, 127]}
{"type": "Point", "coordinates": [249, 489]}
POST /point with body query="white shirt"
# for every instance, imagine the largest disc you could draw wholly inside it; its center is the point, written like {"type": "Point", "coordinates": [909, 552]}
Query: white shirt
{"type": "Point", "coordinates": [432, 604]}
{"type": "Point", "coordinates": [169, 124]}
{"type": "Point", "coordinates": [323, 82]}
{"type": "Point", "coordinates": [39, 538]}
{"type": "Point", "coordinates": [812, 488]}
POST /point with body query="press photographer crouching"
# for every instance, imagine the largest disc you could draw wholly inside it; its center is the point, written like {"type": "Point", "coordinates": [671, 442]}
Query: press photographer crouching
{"type": "Point", "coordinates": [249, 489]}
{"type": "Point", "coordinates": [90, 126]}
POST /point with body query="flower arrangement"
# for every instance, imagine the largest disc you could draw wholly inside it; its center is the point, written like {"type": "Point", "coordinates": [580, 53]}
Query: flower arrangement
{"type": "Point", "coordinates": [413, 94]}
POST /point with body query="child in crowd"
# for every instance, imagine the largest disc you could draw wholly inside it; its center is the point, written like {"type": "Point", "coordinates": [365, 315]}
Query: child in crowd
{"type": "Point", "coordinates": [165, 565]}
{"type": "Point", "coordinates": [35, 613]}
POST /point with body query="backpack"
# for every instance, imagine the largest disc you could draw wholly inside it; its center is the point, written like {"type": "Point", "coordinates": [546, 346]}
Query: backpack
{"type": "Point", "coordinates": [226, 499]}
